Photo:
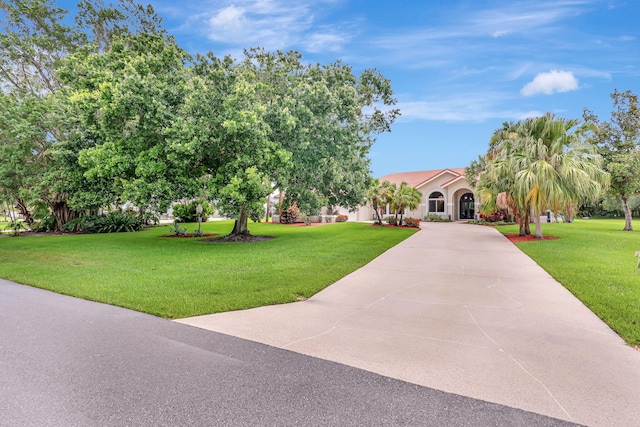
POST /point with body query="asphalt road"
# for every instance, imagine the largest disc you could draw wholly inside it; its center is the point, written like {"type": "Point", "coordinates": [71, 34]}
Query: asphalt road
{"type": "Point", "coordinates": [70, 362]}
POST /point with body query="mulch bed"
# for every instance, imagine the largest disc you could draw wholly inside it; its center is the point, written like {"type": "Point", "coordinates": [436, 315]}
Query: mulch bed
{"type": "Point", "coordinates": [238, 239]}
{"type": "Point", "coordinates": [297, 224]}
{"type": "Point", "coordinates": [514, 238]}
{"type": "Point", "coordinates": [188, 235]}
{"type": "Point", "coordinates": [213, 238]}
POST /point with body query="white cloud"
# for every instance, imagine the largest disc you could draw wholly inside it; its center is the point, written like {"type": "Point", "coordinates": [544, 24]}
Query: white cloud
{"type": "Point", "coordinates": [320, 42]}
{"type": "Point", "coordinates": [463, 107]}
{"type": "Point", "coordinates": [524, 17]}
{"type": "Point", "coordinates": [273, 24]}
{"type": "Point", "coordinates": [230, 21]}
{"type": "Point", "coordinates": [549, 83]}
{"type": "Point", "coordinates": [259, 24]}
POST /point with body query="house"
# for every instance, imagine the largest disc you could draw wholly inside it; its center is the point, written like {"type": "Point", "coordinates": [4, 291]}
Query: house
{"type": "Point", "coordinates": [445, 192]}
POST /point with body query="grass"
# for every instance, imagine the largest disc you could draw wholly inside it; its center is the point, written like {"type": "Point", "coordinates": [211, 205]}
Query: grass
{"type": "Point", "coordinates": [596, 261]}
{"type": "Point", "coordinates": [176, 278]}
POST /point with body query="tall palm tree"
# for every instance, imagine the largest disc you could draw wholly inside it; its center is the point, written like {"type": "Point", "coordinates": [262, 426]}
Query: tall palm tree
{"type": "Point", "coordinates": [545, 163]}
{"type": "Point", "coordinates": [559, 166]}
{"type": "Point", "coordinates": [495, 183]}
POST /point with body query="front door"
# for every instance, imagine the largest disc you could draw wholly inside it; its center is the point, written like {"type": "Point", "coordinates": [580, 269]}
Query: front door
{"type": "Point", "coordinates": [466, 206]}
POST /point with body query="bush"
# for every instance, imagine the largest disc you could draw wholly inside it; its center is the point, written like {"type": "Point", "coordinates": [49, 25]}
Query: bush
{"type": "Point", "coordinates": [176, 230]}
{"type": "Point", "coordinates": [15, 226]}
{"type": "Point", "coordinates": [498, 216]}
{"type": "Point", "coordinates": [412, 222]}
{"type": "Point", "coordinates": [435, 218]}
{"type": "Point", "coordinates": [342, 218]}
{"type": "Point", "coordinates": [187, 212]}
{"type": "Point", "coordinates": [113, 222]}
{"type": "Point", "coordinates": [391, 220]}
{"type": "Point", "coordinates": [494, 223]}
{"type": "Point", "coordinates": [47, 223]}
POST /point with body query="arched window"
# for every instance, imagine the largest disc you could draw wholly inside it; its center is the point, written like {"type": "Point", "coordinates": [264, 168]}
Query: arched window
{"type": "Point", "coordinates": [436, 202]}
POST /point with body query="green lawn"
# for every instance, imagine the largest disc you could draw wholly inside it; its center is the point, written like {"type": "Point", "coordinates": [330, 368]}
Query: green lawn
{"type": "Point", "coordinates": [596, 261]}
{"type": "Point", "coordinates": [177, 278]}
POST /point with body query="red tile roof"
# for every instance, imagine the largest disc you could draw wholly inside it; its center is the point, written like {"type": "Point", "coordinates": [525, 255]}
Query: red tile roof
{"type": "Point", "coordinates": [416, 179]}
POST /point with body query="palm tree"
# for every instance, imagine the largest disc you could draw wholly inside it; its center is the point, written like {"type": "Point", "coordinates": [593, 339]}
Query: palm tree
{"type": "Point", "coordinates": [405, 197]}
{"type": "Point", "coordinates": [543, 163]}
{"type": "Point", "coordinates": [495, 182]}
{"type": "Point", "coordinates": [561, 166]}
{"type": "Point", "coordinates": [386, 191]}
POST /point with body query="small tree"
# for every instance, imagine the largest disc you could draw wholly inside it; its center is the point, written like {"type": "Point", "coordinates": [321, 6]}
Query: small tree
{"type": "Point", "coordinates": [405, 197]}
{"type": "Point", "coordinates": [379, 195]}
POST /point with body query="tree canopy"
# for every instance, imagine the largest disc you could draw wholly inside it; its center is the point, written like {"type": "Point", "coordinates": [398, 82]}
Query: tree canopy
{"type": "Point", "coordinates": [117, 112]}
{"type": "Point", "coordinates": [37, 121]}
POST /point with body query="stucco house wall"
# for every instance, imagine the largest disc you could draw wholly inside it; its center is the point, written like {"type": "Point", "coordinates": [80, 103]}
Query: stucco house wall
{"type": "Point", "coordinates": [446, 190]}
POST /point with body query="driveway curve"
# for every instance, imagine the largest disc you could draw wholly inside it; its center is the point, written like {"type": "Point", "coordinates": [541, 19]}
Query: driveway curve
{"type": "Point", "coordinates": [459, 308]}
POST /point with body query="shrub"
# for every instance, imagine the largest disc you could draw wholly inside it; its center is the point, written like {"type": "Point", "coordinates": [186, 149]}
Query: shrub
{"type": "Point", "coordinates": [306, 219]}
{"type": "Point", "coordinates": [116, 222]}
{"type": "Point", "coordinates": [494, 223]}
{"type": "Point", "coordinates": [497, 216]}
{"type": "Point", "coordinates": [187, 212]}
{"type": "Point", "coordinates": [342, 218]}
{"type": "Point", "coordinates": [15, 226]}
{"type": "Point", "coordinates": [391, 220]}
{"type": "Point", "coordinates": [176, 230]}
{"type": "Point", "coordinates": [412, 222]}
{"type": "Point", "coordinates": [436, 218]}
{"type": "Point", "coordinates": [113, 222]}
{"type": "Point", "coordinates": [47, 223]}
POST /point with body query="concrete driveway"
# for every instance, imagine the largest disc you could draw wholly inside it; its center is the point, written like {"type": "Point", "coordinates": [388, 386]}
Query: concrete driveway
{"type": "Point", "coordinates": [458, 308]}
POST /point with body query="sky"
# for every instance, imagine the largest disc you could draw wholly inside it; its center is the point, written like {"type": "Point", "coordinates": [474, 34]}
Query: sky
{"type": "Point", "coordinates": [459, 69]}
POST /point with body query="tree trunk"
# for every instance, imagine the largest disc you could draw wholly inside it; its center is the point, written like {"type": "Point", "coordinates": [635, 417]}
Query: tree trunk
{"type": "Point", "coordinates": [571, 212]}
{"type": "Point", "coordinates": [538, 224]}
{"type": "Point", "coordinates": [519, 220]}
{"type": "Point", "coordinates": [527, 223]}
{"type": "Point", "coordinates": [241, 226]}
{"type": "Point", "coordinates": [268, 213]}
{"type": "Point", "coordinates": [374, 202]}
{"type": "Point", "coordinates": [628, 226]}
{"type": "Point", "coordinates": [61, 210]}
{"type": "Point", "coordinates": [24, 211]}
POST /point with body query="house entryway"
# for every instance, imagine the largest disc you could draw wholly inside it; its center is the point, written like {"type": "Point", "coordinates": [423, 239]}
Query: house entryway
{"type": "Point", "coordinates": [467, 207]}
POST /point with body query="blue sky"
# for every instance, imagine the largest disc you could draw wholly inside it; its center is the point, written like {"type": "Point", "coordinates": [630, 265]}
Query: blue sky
{"type": "Point", "coordinates": [458, 68]}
